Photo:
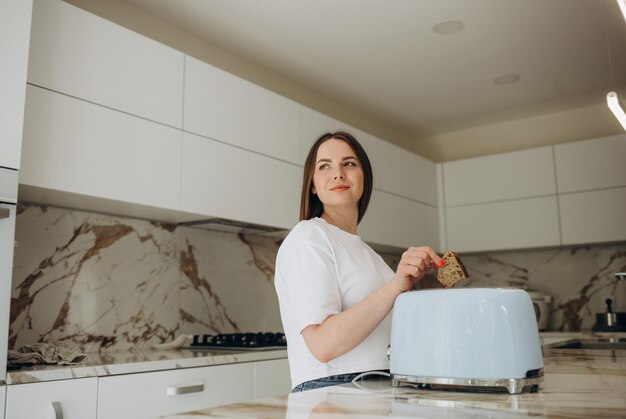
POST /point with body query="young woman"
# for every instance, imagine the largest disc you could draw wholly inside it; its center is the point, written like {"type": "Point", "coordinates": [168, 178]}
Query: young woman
{"type": "Point", "coordinates": [335, 292]}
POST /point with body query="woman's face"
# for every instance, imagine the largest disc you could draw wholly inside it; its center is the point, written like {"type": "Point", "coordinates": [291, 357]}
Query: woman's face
{"type": "Point", "coordinates": [338, 176]}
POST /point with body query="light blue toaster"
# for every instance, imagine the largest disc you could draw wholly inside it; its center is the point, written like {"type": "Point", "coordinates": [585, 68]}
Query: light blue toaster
{"type": "Point", "coordinates": [468, 338]}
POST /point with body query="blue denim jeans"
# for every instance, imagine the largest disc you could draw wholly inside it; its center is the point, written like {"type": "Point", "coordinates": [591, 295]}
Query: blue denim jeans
{"type": "Point", "coordinates": [333, 380]}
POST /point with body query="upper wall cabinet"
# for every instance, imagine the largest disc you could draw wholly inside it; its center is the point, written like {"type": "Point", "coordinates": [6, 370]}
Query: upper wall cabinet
{"type": "Point", "coordinates": [395, 170]}
{"type": "Point", "coordinates": [514, 175]}
{"type": "Point", "coordinates": [591, 164]}
{"type": "Point", "coordinates": [394, 221]}
{"type": "Point", "coordinates": [593, 217]}
{"type": "Point", "coordinates": [226, 108]}
{"type": "Point", "coordinates": [224, 181]}
{"type": "Point", "coordinates": [74, 146]}
{"type": "Point", "coordinates": [82, 55]}
{"type": "Point", "coordinates": [591, 176]}
{"type": "Point", "coordinates": [15, 21]}
{"type": "Point", "coordinates": [524, 223]}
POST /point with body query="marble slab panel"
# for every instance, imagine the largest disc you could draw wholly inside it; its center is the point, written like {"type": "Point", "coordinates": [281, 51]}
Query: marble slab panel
{"type": "Point", "coordinates": [227, 282]}
{"type": "Point", "coordinates": [93, 281]}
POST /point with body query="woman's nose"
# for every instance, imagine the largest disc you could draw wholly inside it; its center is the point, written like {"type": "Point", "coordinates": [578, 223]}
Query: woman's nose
{"type": "Point", "coordinates": [339, 174]}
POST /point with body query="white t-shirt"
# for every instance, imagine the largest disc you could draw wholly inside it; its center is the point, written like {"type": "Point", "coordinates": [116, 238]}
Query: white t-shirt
{"type": "Point", "coordinates": [322, 270]}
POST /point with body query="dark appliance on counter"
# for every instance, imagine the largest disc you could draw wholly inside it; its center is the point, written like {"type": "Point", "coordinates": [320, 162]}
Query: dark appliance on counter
{"type": "Point", "coordinates": [240, 341]}
{"type": "Point", "coordinates": [610, 321]}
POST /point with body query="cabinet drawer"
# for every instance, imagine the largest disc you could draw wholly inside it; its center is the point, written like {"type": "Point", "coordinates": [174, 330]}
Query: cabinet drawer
{"type": "Point", "coordinates": [76, 399]}
{"type": "Point", "coordinates": [506, 176]}
{"type": "Point", "coordinates": [593, 217]}
{"type": "Point", "coordinates": [517, 224]}
{"type": "Point", "coordinates": [166, 392]}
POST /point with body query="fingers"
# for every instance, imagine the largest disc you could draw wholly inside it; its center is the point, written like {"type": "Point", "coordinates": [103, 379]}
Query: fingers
{"type": "Point", "coordinates": [426, 253]}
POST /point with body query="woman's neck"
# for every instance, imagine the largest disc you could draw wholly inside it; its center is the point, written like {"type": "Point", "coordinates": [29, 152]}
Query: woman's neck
{"type": "Point", "coordinates": [345, 220]}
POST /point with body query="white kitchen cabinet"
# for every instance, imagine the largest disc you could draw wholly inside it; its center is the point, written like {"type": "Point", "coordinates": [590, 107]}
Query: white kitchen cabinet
{"type": "Point", "coordinates": [75, 146]}
{"type": "Point", "coordinates": [271, 378]}
{"type": "Point", "coordinates": [524, 223]}
{"type": "Point", "coordinates": [67, 399]}
{"type": "Point", "coordinates": [591, 164]}
{"type": "Point", "coordinates": [225, 181]}
{"type": "Point", "coordinates": [15, 20]}
{"type": "Point", "coordinates": [3, 398]}
{"type": "Point", "coordinates": [8, 199]}
{"type": "Point", "coordinates": [506, 176]}
{"type": "Point", "coordinates": [166, 392]}
{"type": "Point", "coordinates": [226, 108]}
{"type": "Point", "coordinates": [82, 55]}
{"type": "Point", "coordinates": [593, 217]}
{"type": "Point", "coordinates": [7, 234]}
{"type": "Point", "coordinates": [395, 221]}
{"type": "Point", "coordinates": [395, 170]}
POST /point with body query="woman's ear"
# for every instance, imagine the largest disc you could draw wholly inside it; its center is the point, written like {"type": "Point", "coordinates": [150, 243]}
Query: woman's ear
{"type": "Point", "coordinates": [313, 190]}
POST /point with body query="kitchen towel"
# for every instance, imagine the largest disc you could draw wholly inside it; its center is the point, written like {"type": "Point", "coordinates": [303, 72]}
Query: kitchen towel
{"type": "Point", "coordinates": [45, 353]}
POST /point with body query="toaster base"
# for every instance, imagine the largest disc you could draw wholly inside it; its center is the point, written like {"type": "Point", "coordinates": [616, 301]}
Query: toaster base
{"type": "Point", "coordinates": [512, 385]}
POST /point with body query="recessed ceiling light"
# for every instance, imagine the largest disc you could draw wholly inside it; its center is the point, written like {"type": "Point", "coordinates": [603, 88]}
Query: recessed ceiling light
{"type": "Point", "coordinates": [448, 27]}
{"type": "Point", "coordinates": [506, 79]}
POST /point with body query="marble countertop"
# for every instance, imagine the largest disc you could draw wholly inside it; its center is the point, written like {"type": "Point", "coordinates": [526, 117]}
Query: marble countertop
{"type": "Point", "coordinates": [577, 384]}
{"type": "Point", "coordinates": [100, 364]}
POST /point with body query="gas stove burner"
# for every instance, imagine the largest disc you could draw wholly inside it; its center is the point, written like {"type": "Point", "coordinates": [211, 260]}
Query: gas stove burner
{"type": "Point", "coordinates": [259, 340]}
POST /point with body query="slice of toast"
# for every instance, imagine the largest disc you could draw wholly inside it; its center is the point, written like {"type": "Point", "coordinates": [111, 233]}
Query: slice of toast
{"type": "Point", "coordinates": [453, 271]}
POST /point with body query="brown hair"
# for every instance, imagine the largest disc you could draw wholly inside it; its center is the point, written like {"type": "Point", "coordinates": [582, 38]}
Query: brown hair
{"type": "Point", "coordinates": [310, 204]}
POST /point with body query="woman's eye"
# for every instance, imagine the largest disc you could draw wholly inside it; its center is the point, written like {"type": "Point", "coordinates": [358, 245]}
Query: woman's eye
{"type": "Point", "coordinates": [323, 167]}
{"type": "Point", "coordinates": [350, 164]}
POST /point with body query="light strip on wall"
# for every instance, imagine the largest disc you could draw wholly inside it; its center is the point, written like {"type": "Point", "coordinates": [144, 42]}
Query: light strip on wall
{"type": "Point", "coordinates": [622, 7]}
{"type": "Point", "coordinates": [614, 106]}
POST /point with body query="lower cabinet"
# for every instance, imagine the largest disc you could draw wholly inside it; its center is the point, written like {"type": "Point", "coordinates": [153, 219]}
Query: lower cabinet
{"type": "Point", "coordinates": [271, 378]}
{"type": "Point", "coordinates": [67, 399]}
{"type": "Point", "coordinates": [147, 394]}
{"type": "Point", "coordinates": [165, 392]}
{"type": "Point", "coordinates": [3, 397]}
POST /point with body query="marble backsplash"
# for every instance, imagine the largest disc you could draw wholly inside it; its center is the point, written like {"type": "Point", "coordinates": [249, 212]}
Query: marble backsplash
{"type": "Point", "coordinates": [94, 281]}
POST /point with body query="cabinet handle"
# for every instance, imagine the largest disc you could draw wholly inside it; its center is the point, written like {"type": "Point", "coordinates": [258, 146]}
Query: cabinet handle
{"type": "Point", "coordinates": [58, 410]}
{"type": "Point", "coordinates": [4, 213]}
{"type": "Point", "coordinates": [194, 388]}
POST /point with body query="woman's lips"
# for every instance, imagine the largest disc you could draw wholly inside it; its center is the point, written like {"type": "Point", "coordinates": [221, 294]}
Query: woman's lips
{"type": "Point", "coordinates": [340, 188]}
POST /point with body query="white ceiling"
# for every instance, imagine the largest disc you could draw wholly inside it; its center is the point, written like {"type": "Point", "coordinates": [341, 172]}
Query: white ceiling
{"type": "Point", "coordinates": [381, 57]}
